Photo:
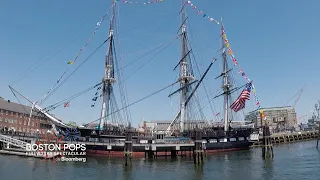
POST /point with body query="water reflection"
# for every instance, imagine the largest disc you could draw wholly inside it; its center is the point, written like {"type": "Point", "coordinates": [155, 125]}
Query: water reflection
{"type": "Point", "coordinates": [127, 172]}
{"type": "Point", "coordinates": [268, 169]}
{"type": "Point", "coordinates": [198, 172]}
{"type": "Point", "coordinates": [300, 161]}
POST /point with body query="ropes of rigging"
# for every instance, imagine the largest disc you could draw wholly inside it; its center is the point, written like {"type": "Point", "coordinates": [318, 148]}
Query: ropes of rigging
{"type": "Point", "coordinates": [82, 63]}
{"type": "Point", "coordinates": [154, 32]}
{"type": "Point", "coordinates": [41, 61]}
{"type": "Point", "coordinates": [53, 90]}
{"type": "Point", "coordinates": [135, 102]}
{"type": "Point", "coordinates": [121, 84]}
{"type": "Point", "coordinates": [122, 87]}
{"type": "Point", "coordinates": [239, 89]}
{"type": "Point", "coordinates": [55, 105]}
{"type": "Point", "coordinates": [218, 94]}
{"type": "Point", "coordinates": [212, 106]}
{"type": "Point", "coordinates": [75, 59]}
{"type": "Point", "coordinates": [150, 59]}
{"type": "Point", "coordinates": [152, 50]}
{"type": "Point", "coordinates": [19, 100]}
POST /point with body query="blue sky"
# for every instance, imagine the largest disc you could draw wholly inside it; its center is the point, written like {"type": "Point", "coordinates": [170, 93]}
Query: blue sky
{"type": "Point", "coordinates": [275, 42]}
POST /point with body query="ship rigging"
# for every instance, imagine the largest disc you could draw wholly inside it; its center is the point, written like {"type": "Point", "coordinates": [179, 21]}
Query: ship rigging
{"type": "Point", "coordinates": [190, 112]}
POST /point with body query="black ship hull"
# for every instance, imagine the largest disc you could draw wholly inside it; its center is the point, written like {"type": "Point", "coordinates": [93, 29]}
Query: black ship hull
{"type": "Point", "coordinates": [140, 151]}
{"type": "Point", "coordinates": [214, 140]}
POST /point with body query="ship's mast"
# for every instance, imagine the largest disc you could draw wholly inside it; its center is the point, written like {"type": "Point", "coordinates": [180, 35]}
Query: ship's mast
{"type": "Point", "coordinates": [185, 76]}
{"type": "Point", "coordinates": [108, 80]}
{"type": "Point", "coordinates": [226, 85]}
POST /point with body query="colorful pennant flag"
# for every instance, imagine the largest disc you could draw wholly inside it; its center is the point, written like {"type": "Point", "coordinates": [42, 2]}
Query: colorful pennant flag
{"type": "Point", "coordinates": [96, 95]}
{"type": "Point", "coordinates": [67, 104]}
{"type": "Point", "coordinates": [89, 40]}
{"type": "Point", "coordinates": [235, 62]}
{"type": "Point", "coordinates": [136, 2]}
{"type": "Point", "coordinates": [71, 62]}
{"type": "Point", "coordinates": [194, 7]}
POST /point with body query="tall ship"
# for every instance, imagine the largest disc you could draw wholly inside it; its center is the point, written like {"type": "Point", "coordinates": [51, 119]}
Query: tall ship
{"type": "Point", "coordinates": [108, 132]}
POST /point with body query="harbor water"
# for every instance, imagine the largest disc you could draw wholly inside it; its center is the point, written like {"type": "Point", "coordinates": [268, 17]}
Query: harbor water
{"type": "Point", "coordinates": [296, 161]}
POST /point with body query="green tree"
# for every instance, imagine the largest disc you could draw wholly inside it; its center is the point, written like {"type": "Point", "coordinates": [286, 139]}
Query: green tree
{"type": "Point", "coordinates": [72, 124]}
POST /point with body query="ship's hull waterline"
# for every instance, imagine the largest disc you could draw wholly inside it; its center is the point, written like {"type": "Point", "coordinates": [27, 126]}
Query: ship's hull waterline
{"type": "Point", "coordinates": [140, 151]}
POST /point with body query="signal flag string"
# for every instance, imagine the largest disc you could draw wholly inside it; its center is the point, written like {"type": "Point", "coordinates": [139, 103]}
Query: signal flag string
{"type": "Point", "coordinates": [71, 62]}
{"type": "Point", "coordinates": [193, 6]}
{"type": "Point", "coordinates": [235, 62]}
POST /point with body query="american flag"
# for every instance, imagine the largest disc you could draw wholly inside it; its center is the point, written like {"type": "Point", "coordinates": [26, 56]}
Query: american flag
{"type": "Point", "coordinates": [240, 103]}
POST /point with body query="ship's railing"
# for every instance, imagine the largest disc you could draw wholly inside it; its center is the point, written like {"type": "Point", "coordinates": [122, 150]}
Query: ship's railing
{"type": "Point", "coordinates": [23, 135]}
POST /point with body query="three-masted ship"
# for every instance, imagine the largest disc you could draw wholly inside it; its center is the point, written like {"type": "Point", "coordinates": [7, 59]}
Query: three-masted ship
{"type": "Point", "coordinates": [181, 129]}
{"type": "Point", "coordinates": [214, 138]}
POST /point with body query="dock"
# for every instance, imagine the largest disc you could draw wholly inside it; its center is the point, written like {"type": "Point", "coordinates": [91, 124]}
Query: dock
{"type": "Point", "coordinates": [283, 138]}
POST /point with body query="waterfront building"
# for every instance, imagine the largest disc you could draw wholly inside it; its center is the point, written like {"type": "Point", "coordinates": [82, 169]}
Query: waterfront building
{"type": "Point", "coordinates": [163, 125]}
{"type": "Point", "coordinates": [15, 117]}
{"type": "Point", "coordinates": [160, 126]}
{"type": "Point", "coordinates": [278, 118]}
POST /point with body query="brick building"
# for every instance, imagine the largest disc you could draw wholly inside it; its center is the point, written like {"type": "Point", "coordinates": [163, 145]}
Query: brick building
{"type": "Point", "coordinates": [14, 116]}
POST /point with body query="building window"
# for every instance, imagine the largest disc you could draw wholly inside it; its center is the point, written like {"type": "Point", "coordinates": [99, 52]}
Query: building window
{"type": "Point", "coordinates": [7, 112]}
{"type": "Point", "coordinates": [274, 120]}
{"type": "Point", "coordinates": [11, 113]}
{"type": "Point", "coordinates": [17, 114]}
{"type": "Point", "coordinates": [36, 124]}
{"type": "Point", "coordinates": [24, 123]}
{"type": "Point", "coordinates": [20, 115]}
{"type": "Point", "coordinates": [32, 124]}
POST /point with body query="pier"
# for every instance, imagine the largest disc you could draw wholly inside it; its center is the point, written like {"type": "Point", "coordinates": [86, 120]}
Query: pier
{"type": "Point", "coordinates": [282, 138]}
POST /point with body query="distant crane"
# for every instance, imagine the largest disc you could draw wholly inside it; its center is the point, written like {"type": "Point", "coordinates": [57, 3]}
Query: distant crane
{"type": "Point", "coordinates": [298, 94]}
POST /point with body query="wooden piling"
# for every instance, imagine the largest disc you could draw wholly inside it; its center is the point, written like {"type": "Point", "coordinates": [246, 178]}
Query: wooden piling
{"type": "Point", "coordinates": [318, 136]}
{"type": "Point", "coordinates": [198, 152]}
{"type": "Point", "coordinates": [267, 148]}
{"type": "Point", "coordinates": [128, 146]}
